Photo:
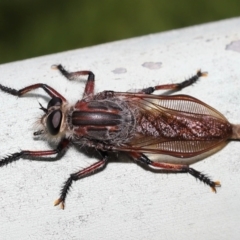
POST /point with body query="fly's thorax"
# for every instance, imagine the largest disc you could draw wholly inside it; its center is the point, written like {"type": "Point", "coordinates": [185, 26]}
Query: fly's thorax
{"type": "Point", "coordinates": [109, 120]}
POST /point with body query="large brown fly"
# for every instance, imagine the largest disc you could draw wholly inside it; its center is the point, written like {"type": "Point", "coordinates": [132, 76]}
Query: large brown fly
{"type": "Point", "coordinates": [160, 131]}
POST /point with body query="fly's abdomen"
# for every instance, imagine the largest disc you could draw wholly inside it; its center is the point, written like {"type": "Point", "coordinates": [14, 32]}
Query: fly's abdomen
{"type": "Point", "coordinates": [108, 121]}
{"type": "Point", "coordinates": [180, 126]}
{"type": "Point", "coordinates": [183, 127]}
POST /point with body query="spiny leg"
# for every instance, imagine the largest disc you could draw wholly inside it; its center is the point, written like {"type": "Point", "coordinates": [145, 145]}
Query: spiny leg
{"type": "Point", "coordinates": [175, 86]}
{"type": "Point", "coordinates": [89, 88]}
{"type": "Point", "coordinates": [62, 146]}
{"type": "Point", "coordinates": [178, 168]}
{"type": "Point", "coordinates": [78, 175]}
{"type": "Point", "coordinates": [50, 91]}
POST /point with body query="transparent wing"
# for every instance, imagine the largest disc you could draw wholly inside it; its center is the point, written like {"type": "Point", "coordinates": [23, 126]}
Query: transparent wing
{"type": "Point", "coordinates": [197, 128]}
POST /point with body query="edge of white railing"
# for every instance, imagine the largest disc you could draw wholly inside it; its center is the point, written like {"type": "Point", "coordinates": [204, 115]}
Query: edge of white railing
{"type": "Point", "coordinates": [124, 201]}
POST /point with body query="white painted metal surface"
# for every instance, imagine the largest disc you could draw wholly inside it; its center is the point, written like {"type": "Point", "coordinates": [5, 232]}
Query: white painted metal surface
{"type": "Point", "coordinates": [124, 201]}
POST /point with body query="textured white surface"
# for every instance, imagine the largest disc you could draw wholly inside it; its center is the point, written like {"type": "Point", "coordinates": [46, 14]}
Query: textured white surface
{"type": "Point", "coordinates": [124, 201]}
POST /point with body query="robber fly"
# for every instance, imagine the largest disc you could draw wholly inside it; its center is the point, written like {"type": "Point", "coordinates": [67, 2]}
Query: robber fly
{"type": "Point", "coordinates": [143, 125]}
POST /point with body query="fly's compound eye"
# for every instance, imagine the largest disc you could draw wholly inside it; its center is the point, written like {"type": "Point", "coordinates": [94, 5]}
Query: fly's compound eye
{"type": "Point", "coordinates": [54, 120]}
{"type": "Point", "coordinates": [55, 101]}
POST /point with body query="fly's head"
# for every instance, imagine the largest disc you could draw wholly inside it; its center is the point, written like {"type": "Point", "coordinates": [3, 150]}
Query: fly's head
{"type": "Point", "coordinates": [53, 125]}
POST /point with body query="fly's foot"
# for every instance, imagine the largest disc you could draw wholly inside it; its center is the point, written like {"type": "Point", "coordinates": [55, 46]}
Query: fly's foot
{"type": "Point", "coordinates": [61, 202]}
{"type": "Point", "coordinates": [214, 185]}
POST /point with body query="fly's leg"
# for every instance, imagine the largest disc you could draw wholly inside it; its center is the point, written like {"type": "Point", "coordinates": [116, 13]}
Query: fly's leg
{"type": "Point", "coordinates": [50, 91]}
{"type": "Point", "coordinates": [89, 88]}
{"type": "Point", "coordinates": [62, 146]}
{"type": "Point", "coordinates": [176, 86]}
{"type": "Point", "coordinates": [78, 175]}
{"type": "Point", "coordinates": [178, 168]}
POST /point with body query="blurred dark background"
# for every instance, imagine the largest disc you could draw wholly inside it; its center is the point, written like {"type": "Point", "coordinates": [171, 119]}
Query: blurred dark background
{"type": "Point", "coordinates": [34, 28]}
